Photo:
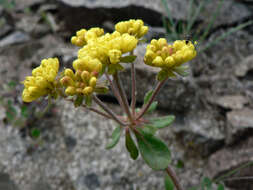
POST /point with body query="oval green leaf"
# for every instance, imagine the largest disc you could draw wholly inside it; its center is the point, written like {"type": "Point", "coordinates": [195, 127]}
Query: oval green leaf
{"type": "Point", "coordinates": [162, 122]}
{"type": "Point", "coordinates": [168, 183]}
{"type": "Point", "coordinates": [153, 150]}
{"type": "Point", "coordinates": [115, 138]}
{"type": "Point", "coordinates": [220, 187]}
{"type": "Point", "coordinates": [152, 107]}
{"type": "Point", "coordinates": [147, 96]}
{"type": "Point", "coordinates": [131, 147]}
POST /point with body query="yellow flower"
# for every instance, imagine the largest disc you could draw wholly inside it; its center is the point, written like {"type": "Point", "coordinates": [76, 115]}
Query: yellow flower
{"type": "Point", "coordinates": [132, 27]}
{"type": "Point", "coordinates": [42, 81]}
{"type": "Point", "coordinates": [83, 36]}
{"type": "Point", "coordinates": [169, 57]}
{"type": "Point", "coordinates": [80, 82]}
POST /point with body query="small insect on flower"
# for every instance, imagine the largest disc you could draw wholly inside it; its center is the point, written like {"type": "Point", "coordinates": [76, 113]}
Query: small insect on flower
{"type": "Point", "coordinates": [187, 38]}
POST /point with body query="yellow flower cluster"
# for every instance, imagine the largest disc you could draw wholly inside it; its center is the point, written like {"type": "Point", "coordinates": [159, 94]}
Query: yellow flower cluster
{"type": "Point", "coordinates": [83, 36]}
{"type": "Point", "coordinates": [133, 27]}
{"type": "Point", "coordinates": [80, 82]}
{"type": "Point", "coordinates": [169, 57]}
{"type": "Point", "coordinates": [42, 81]}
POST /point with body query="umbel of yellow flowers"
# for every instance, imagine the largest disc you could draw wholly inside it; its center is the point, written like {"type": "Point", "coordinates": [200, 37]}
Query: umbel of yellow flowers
{"type": "Point", "coordinates": [42, 81]}
{"type": "Point", "coordinates": [169, 57]}
{"type": "Point", "coordinates": [101, 53]}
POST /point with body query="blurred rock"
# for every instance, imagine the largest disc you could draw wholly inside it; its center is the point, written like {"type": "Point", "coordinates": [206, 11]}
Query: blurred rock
{"type": "Point", "coordinates": [200, 132]}
{"type": "Point", "coordinates": [5, 27]}
{"type": "Point", "coordinates": [244, 66]}
{"type": "Point", "coordinates": [230, 158]}
{"type": "Point", "coordinates": [6, 183]}
{"type": "Point", "coordinates": [230, 101]}
{"type": "Point", "coordinates": [40, 185]}
{"type": "Point", "coordinates": [14, 38]}
{"type": "Point", "coordinates": [24, 4]}
{"type": "Point", "coordinates": [241, 118]}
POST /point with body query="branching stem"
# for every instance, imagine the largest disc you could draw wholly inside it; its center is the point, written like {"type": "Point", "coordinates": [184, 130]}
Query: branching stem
{"type": "Point", "coordinates": [123, 96]}
{"type": "Point", "coordinates": [107, 110]}
{"type": "Point", "coordinates": [147, 105]}
{"type": "Point", "coordinates": [133, 78]}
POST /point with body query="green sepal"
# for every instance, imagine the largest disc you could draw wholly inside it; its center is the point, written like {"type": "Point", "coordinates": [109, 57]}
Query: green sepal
{"type": "Point", "coordinates": [101, 89]}
{"type": "Point", "coordinates": [88, 100]}
{"type": "Point", "coordinates": [154, 152]}
{"type": "Point", "coordinates": [163, 74]}
{"type": "Point", "coordinates": [78, 101]}
{"type": "Point", "coordinates": [147, 96]}
{"type": "Point", "coordinates": [182, 71]}
{"type": "Point", "coordinates": [128, 59]}
{"type": "Point", "coordinates": [115, 137]}
{"type": "Point", "coordinates": [161, 122]}
{"type": "Point", "coordinates": [168, 183]}
{"type": "Point", "coordinates": [130, 145]}
{"type": "Point", "coordinates": [152, 107]}
{"type": "Point", "coordinates": [113, 68]}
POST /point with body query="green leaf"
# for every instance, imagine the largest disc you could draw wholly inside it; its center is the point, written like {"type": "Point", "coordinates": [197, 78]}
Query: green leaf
{"type": "Point", "coordinates": [24, 111]}
{"type": "Point", "coordinates": [113, 68]}
{"type": "Point", "coordinates": [128, 59]}
{"type": "Point", "coordinates": [78, 101]}
{"type": "Point", "coordinates": [220, 187]}
{"type": "Point", "coordinates": [206, 184]}
{"type": "Point", "coordinates": [161, 122]}
{"type": "Point", "coordinates": [115, 137]}
{"type": "Point", "coordinates": [153, 150]}
{"type": "Point", "coordinates": [147, 96]}
{"type": "Point", "coordinates": [101, 89]}
{"type": "Point", "coordinates": [35, 133]}
{"type": "Point", "coordinates": [168, 183]}
{"type": "Point", "coordinates": [149, 129]}
{"type": "Point", "coordinates": [180, 164]}
{"type": "Point", "coordinates": [131, 147]}
{"type": "Point", "coordinates": [152, 107]}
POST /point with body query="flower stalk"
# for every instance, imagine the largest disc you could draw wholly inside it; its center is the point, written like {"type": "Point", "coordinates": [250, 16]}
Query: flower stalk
{"type": "Point", "coordinates": [173, 177]}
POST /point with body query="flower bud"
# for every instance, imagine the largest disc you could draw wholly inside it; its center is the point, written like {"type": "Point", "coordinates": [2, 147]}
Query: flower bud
{"type": "Point", "coordinates": [87, 90]}
{"type": "Point", "coordinates": [85, 76]}
{"type": "Point", "coordinates": [93, 82]}
{"type": "Point", "coordinates": [70, 91]}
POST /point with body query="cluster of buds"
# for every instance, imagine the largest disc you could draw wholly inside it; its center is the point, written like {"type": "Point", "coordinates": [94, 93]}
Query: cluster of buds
{"type": "Point", "coordinates": [132, 27]}
{"type": "Point", "coordinates": [169, 57]}
{"type": "Point", "coordinates": [43, 80]}
{"type": "Point", "coordinates": [80, 82]}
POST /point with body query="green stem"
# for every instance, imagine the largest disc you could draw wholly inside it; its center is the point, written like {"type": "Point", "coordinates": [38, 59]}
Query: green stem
{"type": "Point", "coordinates": [147, 105]}
{"type": "Point", "coordinates": [123, 96]}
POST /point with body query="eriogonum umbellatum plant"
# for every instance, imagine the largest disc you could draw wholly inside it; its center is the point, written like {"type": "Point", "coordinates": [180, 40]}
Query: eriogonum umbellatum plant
{"type": "Point", "coordinates": [105, 54]}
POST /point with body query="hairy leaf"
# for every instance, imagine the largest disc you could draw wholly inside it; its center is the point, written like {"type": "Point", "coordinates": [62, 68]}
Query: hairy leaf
{"type": "Point", "coordinates": [162, 122]}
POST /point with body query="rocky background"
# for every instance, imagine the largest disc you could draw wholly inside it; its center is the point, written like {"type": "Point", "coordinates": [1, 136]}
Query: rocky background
{"type": "Point", "coordinates": [213, 132]}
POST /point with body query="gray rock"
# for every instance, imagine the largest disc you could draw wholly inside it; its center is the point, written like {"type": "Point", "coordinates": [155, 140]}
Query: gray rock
{"type": "Point", "coordinates": [6, 183]}
{"type": "Point", "coordinates": [14, 38]}
{"type": "Point", "coordinates": [5, 27]}
{"type": "Point", "coordinates": [199, 132]}
{"type": "Point", "coordinates": [40, 185]}
{"type": "Point", "coordinates": [241, 118]}
{"type": "Point", "coordinates": [244, 66]}
{"type": "Point", "coordinates": [231, 101]}
{"type": "Point", "coordinates": [230, 158]}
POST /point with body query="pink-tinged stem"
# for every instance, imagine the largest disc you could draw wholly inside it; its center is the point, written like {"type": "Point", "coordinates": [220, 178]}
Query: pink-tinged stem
{"type": "Point", "coordinates": [123, 96]}
{"type": "Point", "coordinates": [173, 177]}
{"type": "Point", "coordinates": [115, 91]}
{"type": "Point", "coordinates": [146, 106]}
{"type": "Point", "coordinates": [134, 92]}
{"type": "Point", "coordinates": [107, 110]}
